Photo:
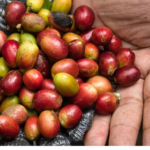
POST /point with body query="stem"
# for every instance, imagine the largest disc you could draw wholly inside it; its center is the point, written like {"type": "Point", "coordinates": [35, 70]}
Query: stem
{"type": "Point", "coordinates": [34, 143]}
{"type": "Point", "coordinates": [29, 8]}
{"type": "Point", "coordinates": [118, 96]}
{"type": "Point", "coordinates": [7, 27]}
{"type": "Point", "coordinates": [2, 91]}
{"type": "Point", "coordinates": [18, 27]}
{"type": "Point", "coordinates": [22, 31]}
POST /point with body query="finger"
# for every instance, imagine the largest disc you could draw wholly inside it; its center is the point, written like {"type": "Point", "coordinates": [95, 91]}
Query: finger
{"type": "Point", "coordinates": [126, 119]}
{"type": "Point", "coordinates": [129, 45]}
{"type": "Point", "coordinates": [142, 61]}
{"type": "Point", "coordinates": [131, 102]}
{"type": "Point", "coordinates": [146, 112]}
{"type": "Point", "coordinates": [97, 135]}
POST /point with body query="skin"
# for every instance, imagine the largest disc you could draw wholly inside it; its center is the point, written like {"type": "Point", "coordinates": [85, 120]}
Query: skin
{"type": "Point", "coordinates": [129, 20]}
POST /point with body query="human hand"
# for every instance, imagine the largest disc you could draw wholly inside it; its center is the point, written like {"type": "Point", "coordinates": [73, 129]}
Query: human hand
{"type": "Point", "coordinates": [129, 20]}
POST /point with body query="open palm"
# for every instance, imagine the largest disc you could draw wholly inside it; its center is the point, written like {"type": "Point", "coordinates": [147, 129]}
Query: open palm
{"type": "Point", "coordinates": [130, 21]}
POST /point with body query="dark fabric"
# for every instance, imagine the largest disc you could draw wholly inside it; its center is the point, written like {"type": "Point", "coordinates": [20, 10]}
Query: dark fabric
{"type": "Point", "coordinates": [21, 140]}
{"type": "Point", "coordinates": [60, 140]}
{"type": "Point", "coordinates": [77, 134]}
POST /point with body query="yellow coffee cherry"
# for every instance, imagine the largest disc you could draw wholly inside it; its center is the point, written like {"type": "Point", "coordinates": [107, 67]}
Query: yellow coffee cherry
{"type": "Point", "coordinates": [15, 36]}
{"type": "Point", "coordinates": [62, 5]}
{"type": "Point", "coordinates": [44, 13]}
{"type": "Point", "coordinates": [34, 5]}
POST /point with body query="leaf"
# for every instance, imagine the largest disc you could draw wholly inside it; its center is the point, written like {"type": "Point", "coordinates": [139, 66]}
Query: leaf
{"type": "Point", "coordinates": [47, 4]}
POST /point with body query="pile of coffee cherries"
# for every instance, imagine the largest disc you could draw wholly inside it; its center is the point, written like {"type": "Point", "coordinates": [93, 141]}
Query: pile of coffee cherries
{"type": "Point", "coordinates": [56, 57]}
